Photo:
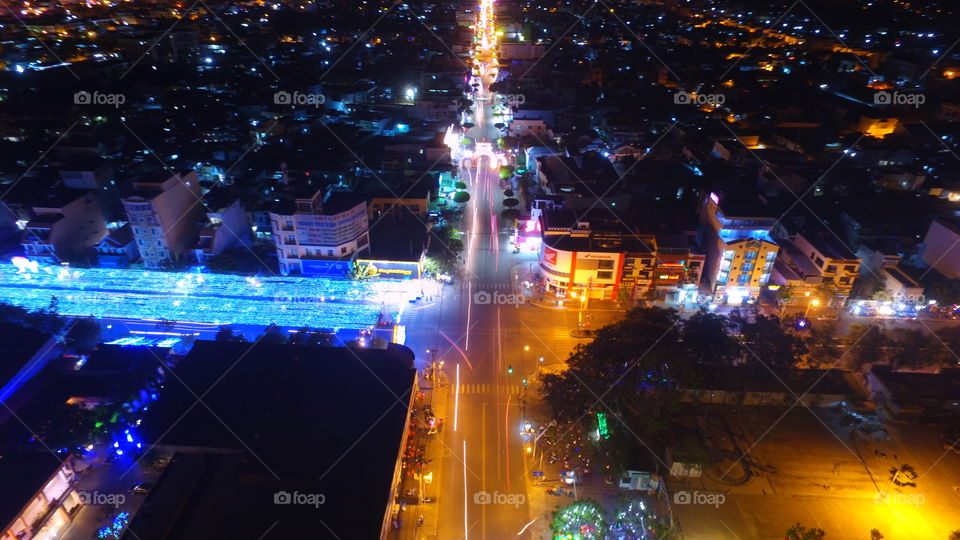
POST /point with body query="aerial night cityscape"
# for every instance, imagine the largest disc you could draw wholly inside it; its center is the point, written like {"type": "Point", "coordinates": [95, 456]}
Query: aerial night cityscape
{"type": "Point", "coordinates": [480, 269]}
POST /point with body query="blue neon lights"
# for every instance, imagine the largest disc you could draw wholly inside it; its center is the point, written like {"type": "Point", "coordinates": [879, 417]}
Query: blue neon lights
{"type": "Point", "coordinates": [208, 298]}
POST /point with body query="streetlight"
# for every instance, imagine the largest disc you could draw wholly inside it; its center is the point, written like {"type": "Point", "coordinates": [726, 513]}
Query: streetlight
{"type": "Point", "coordinates": [813, 302]}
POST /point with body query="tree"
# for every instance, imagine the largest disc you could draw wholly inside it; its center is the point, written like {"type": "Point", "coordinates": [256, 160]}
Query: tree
{"type": "Point", "coordinates": [362, 272]}
{"type": "Point", "coordinates": [508, 193]}
{"type": "Point", "coordinates": [461, 197]}
{"type": "Point", "coordinates": [506, 171]}
{"type": "Point", "coordinates": [913, 348]}
{"type": "Point", "coordinates": [707, 340]}
{"type": "Point", "coordinates": [460, 185]}
{"type": "Point", "coordinates": [866, 345]}
{"type": "Point", "coordinates": [875, 534]}
{"type": "Point", "coordinates": [225, 333]}
{"type": "Point", "coordinates": [273, 334]}
{"type": "Point", "coordinates": [950, 346]}
{"type": "Point", "coordinates": [821, 344]}
{"type": "Point", "coordinates": [583, 518]}
{"type": "Point", "coordinates": [765, 339]}
{"type": "Point", "coordinates": [799, 532]}
{"type": "Point", "coordinates": [955, 535]}
{"type": "Point", "coordinates": [510, 202]}
{"type": "Point", "coordinates": [632, 365]}
{"type": "Point", "coordinates": [83, 335]}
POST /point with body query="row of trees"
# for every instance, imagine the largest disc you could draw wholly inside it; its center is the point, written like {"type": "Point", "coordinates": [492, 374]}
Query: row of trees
{"type": "Point", "coordinates": [82, 335]}
{"type": "Point", "coordinates": [636, 367]}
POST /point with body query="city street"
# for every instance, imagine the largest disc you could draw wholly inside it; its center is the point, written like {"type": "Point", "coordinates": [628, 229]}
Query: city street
{"type": "Point", "coordinates": [481, 477]}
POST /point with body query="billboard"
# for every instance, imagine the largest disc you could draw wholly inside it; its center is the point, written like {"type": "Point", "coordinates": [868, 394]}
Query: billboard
{"type": "Point", "coordinates": [325, 268]}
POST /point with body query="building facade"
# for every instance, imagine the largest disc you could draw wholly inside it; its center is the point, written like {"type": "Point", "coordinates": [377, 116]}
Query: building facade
{"type": "Point", "coordinates": [164, 214]}
{"type": "Point", "coordinates": [310, 231]}
{"type": "Point", "coordinates": [63, 231]}
{"type": "Point", "coordinates": [739, 250]}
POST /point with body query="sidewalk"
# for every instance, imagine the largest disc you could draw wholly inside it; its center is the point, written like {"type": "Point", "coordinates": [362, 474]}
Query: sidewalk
{"type": "Point", "coordinates": [428, 449]}
{"type": "Point", "coordinates": [527, 273]}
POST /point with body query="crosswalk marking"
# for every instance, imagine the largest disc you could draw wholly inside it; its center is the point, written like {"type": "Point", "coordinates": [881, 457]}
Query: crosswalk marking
{"type": "Point", "coordinates": [491, 286]}
{"type": "Point", "coordinates": [514, 389]}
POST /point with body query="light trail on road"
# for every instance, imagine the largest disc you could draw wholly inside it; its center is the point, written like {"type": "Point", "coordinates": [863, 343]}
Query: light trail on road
{"type": "Point", "coordinates": [456, 400]}
{"type": "Point", "coordinates": [466, 528]}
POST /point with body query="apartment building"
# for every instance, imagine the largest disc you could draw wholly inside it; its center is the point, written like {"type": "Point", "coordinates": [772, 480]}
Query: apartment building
{"type": "Point", "coordinates": [601, 258]}
{"type": "Point", "coordinates": [227, 226]}
{"type": "Point", "coordinates": [164, 212]}
{"type": "Point", "coordinates": [309, 231]}
{"type": "Point", "coordinates": [739, 250]}
{"type": "Point", "coordinates": [66, 225]}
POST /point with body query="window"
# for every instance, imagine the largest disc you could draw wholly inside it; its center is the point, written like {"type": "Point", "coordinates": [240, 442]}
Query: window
{"type": "Point", "coordinates": [329, 252]}
{"type": "Point", "coordinates": [844, 281]}
{"type": "Point", "coordinates": [850, 269]}
{"type": "Point", "coordinates": [605, 265]}
{"type": "Point", "coordinates": [771, 255]}
{"type": "Point", "coordinates": [605, 275]}
{"type": "Point", "coordinates": [831, 269]}
{"type": "Point", "coordinates": [750, 255]}
{"type": "Point", "coordinates": [746, 267]}
{"type": "Point", "coordinates": [743, 279]}
{"type": "Point", "coordinates": [695, 264]}
{"type": "Point", "coordinates": [645, 262]}
{"type": "Point", "coordinates": [343, 250]}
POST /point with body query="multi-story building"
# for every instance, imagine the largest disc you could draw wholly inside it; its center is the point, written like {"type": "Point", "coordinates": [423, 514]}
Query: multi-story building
{"type": "Point", "coordinates": [739, 250]}
{"type": "Point", "coordinates": [118, 249]}
{"type": "Point", "coordinates": [309, 231]}
{"type": "Point", "coordinates": [601, 258]}
{"type": "Point", "coordinates": [164, 212]}
{"type": "Point", "coordinates": [40, 495]}
{"type": "Point", "coordinates": [65, 226]}
{"type": "Point", "coordinates": [837, 265]}
{"type": "Point", "coordinates": [941, 247]}
{"type": "Point", "coordinates": [226, 227]}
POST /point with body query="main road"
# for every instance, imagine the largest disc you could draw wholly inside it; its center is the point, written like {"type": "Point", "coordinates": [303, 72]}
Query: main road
{"type": "Point", "coordinates": [489, 346]}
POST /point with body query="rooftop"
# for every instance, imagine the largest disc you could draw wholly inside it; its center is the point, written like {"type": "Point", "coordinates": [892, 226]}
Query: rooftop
{"type": "Point", "coordinates": [308, 419]}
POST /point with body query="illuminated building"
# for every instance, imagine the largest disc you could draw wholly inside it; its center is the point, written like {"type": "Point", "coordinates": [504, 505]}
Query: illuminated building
{"type": "Point", "coordinates": [163, 213]}
{"type": "Point", "coordinates": [118, 249]}
{"type": "Point", "coordinates": [599, 258]}
{"type": "Point", "coordinates": [308, 231]}
{"type": "Point", "coordinates": [40, 498]}
{"type": "Point", "coordinates": [818, 260]}
{"type": "Point", "coordinates": [739, 250]}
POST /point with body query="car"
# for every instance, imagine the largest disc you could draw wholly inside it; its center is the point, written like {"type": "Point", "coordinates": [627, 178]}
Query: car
{"type": "Point", "coordinates": [141, 488]}
{"type": "Point", "coordinates": [584, 333]}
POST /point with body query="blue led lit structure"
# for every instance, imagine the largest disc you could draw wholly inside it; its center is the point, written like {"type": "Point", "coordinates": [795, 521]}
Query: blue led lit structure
{"type": "Point", "coordinates": [207, 298]}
